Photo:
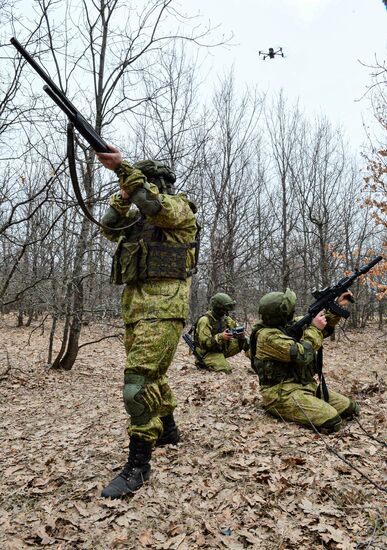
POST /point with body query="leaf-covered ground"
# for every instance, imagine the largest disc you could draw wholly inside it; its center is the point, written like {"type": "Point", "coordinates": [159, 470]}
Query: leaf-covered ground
{"type": "Point", "coordinates": [238, 479]}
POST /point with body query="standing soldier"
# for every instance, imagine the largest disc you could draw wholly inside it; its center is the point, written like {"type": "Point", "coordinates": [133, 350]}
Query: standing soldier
{"type": "Point", "coordinates": [155, 256]}
{"type": "Point", "coordinates": [287, 368]}
{"type": "Point", "coordinates": [213, 336]}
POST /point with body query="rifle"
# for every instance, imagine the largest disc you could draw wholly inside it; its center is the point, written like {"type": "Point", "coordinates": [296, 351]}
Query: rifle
{"type": "Point", "coordinates": [80, 123]}
{"type": "Point", "coordinates": [52, 90]}
{"type": "Point", "coordinates": [191, 344]}
{"type": "Point", "coordinates": [236, 331]}
{"type": "Point", "coordinates": [325, 299]}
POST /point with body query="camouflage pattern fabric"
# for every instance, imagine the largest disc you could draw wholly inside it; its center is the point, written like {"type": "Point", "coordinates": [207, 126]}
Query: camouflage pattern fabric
{"type": "Point", "coordinates": [150, 346]}
{"type": "Point", "coordinates": [158, 298]}
{"type": "Point", "coordinates": [153, 311]}
{"type": "Point", "coordinates": [130, 178]}
{"type": "Point", "coordinates": [288, 399]}
{"type": "Point", "coordinates": [298, 403]}
{"type": "Point", "coordinates": [272, 343]}
{"type": "Point", "coordinates": [211, 346]}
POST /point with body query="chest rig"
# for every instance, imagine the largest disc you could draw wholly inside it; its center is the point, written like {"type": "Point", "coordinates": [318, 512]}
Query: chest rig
{"type": "Point", "coordinates": [300, 369]}
{"type": "Point", "coordinates": [143, 254]}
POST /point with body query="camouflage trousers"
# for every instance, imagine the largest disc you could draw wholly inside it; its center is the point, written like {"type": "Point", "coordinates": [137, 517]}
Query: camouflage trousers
{"type": "Point", "coordinates": [297, 403]}
{"type": "Point", "coordinates": [217, 361]}
{"type": "Point", "coordinates": [150, 345]}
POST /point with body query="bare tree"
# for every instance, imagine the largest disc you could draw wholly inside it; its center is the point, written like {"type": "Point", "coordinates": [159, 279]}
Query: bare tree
{"type": "Point", "coordinates": [230, 186]}
{"type": "Point", "coordinates": [283, 125]}
{"type": "Point", "coordinates": [109, 46]}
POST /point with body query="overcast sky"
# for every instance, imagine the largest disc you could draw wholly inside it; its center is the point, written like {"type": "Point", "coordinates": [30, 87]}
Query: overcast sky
{"type": "Point", "coordinates": [323, 41]}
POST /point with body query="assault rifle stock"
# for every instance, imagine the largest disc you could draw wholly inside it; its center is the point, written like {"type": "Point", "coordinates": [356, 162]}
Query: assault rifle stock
{"type": "Point", "coordinates": [191, 344]}
{"type": "Point", "coordinates": [52, 90]}
{"type": "Point", "coordinates": [325, 299]}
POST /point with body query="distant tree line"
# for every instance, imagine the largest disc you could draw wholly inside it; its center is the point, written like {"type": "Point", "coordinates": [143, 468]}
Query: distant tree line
{"type": "Point", "coordinates": [281, 198]}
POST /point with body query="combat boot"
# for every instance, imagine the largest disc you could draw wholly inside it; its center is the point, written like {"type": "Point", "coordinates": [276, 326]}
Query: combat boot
{"type": "Point", "coordinates": [136, 471]}
{"type": "Point", "coordinates": [171, 433]}
{"type": "Point", "coordinates": [331, 426]}
{"type": "Point", "coordinates": [351, 411]}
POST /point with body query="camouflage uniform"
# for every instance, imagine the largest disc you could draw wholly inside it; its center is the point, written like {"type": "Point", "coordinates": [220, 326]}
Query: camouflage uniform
{"type": "Point", "coordinates": [154, 258]}
{"type": "Point", "coordinates": [208, 339]}
{"type": "Point", "coordinates": [153, 309]}
{"type": "Point", "coordinates": [211, 346]}
{"type": "Point", "coordinates": [287, 368]}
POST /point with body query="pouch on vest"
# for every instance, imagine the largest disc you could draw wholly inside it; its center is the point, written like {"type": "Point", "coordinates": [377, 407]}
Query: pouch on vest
{"type": "Point", "coordinates": [129, 261]}
{"type": "Point", "coordinates": [126, 260]}
{"type": "Point", "coordinates": [165, 259]}
{"type": "Point", "coordinates": [141, 261]}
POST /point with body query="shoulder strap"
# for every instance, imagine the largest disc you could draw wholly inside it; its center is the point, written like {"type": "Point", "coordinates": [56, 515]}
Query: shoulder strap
{"type": "Point", "coordinates": [253, 344]}
{"type": "Point", "coordinates": [322, 390]}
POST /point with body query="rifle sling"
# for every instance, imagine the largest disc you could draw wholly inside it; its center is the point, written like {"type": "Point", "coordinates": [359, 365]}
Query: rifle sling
{"type": "Point", "coordinates": [322, 389]}
{"type": "Point", "coordinates": [75, 183]}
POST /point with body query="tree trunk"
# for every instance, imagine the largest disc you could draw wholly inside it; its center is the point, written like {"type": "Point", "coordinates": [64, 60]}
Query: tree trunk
{"type": "Point", "coordinates": [71, 353]}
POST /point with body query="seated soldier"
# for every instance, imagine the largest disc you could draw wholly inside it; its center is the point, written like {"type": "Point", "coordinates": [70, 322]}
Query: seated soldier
{"type": "Point", "coordinates": [213, 336]}
{"type": "Point", "coordinates": [287, 368]}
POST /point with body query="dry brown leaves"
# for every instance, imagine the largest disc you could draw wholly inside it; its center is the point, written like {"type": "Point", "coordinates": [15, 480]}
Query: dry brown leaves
{"type": "Point", "coordinates": [239, 478]}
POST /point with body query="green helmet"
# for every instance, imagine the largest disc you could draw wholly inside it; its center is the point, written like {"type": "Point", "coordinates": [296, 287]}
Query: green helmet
{"type": "Point", "coordinates": [221, 304]}
{"type": "Point", "coordinates": [276, 308]}
{"type": "Point", "coordinates": [163, 175]}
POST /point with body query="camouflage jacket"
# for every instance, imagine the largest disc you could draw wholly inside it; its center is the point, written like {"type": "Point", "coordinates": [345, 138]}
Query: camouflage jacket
{"type": "Point", "coordinates": [279, 358]}
{"type": "Point", "coordinates": [151, 297]}
{"type": "Point", "coordinates": [208, 332]}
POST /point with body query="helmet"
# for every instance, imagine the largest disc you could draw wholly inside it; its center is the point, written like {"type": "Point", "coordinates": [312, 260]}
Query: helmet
{"type": "Point", "coordinates": [221, 304]}
{"type": "Point", "coordinates": [276, 308]}
{"type": "Point", "coordinates": [163, 175]}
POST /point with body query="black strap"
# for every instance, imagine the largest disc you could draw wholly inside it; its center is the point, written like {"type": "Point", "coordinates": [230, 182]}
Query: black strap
{"type": "Point", "coordinates": [253, 345]}
{"type": "Point", "coordinates": [194, 269]}
{"type": "Point", "coordinates": [197, 246]}
{"type": "Point", "coordinates": [322, 389]}
{"type": "Point", "coordinates": [241, 343]}
{"type": "Point", "coordinates": [77, 190]}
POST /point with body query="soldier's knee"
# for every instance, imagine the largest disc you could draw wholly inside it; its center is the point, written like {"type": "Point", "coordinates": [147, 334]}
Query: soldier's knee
{"type": "Point", "coordinates": [332, 425]}
{"type": "Point", "coordinates": [352, 410]}
{"type": "Point", "coordinates": [134, 399]}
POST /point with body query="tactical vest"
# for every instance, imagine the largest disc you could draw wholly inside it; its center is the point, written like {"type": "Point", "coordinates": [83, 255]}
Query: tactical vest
{"type": "Point", "coordinates": [143, 254]}
{"type": "Point", "coordinates": [272, 372]}
{"type": "Point", "coordinates": [216, 326]}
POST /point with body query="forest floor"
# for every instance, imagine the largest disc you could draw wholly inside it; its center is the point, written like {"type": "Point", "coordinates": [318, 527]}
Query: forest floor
{"type": "Point", "coordinates": [238, 479]}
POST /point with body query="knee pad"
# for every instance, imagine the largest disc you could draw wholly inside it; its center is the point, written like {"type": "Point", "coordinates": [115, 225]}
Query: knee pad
{"type": "Point", "coordinates": [142, 401]}
{"type": "Point", "coordinates": [332, 425]}
{"type": "Point", "coordinates": [352, 410]}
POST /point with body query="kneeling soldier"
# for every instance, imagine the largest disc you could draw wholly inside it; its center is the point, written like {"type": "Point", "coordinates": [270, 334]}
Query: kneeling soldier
{"type": "Point", "coordinates": [215, 336]}
{"type": "Point", "coordinates": [287, 368]}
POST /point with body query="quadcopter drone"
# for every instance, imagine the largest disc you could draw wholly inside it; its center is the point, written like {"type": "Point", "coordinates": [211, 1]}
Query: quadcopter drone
{"type": "Point", "coordinates": [271, 53]}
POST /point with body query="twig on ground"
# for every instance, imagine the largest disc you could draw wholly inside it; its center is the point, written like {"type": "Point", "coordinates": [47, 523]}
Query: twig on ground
{"type": "Point", "coordinates": [336, 453]}
{"type": "Point", "coordinates": [368, 434]}
{"type": "Point", "coordinates": [3, 375]}
{"type": "Point", "coordinates": [372, 537]}
{"type": "Point", "coordinates": [8, 368]}
{"type": "Point", "coordinates": [344, 333]}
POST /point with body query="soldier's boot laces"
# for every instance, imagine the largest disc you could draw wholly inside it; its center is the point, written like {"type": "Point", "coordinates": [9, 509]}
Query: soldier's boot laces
{"type": "Point", "coordinates": [171, 433]}
{"type": "Point", "coordinates": [136, 471]}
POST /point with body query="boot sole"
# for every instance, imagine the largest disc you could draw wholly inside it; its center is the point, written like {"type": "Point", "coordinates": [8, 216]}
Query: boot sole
{"type": "Point", "coordinates": [129, 492]}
